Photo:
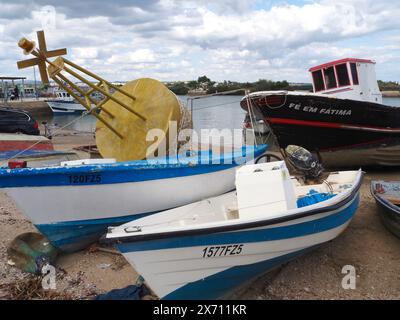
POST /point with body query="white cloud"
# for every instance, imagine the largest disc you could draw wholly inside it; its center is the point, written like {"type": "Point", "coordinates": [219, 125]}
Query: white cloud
{"type": "Point", "coordinates": [180, 40]}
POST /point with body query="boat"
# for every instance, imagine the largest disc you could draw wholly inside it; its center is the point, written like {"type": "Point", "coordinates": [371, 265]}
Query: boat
{"type": "Point", "coordinates": [255, 130]}
{"type": "Point", "coordinates": [32, 150]}
{"type": "Point", "coordinates": [73, 203]}
{"type": "Point", "coordinates": [343, 120]}
{"type": "Point", "coordinates": [13, 143]}
{"type": "Point", "coordinates": [387, 198]}
{"type": "Point", "coordinates": [64, 103]}
{"type": "Point", "coordinates": [210, 248]}
{"type": "Point", "coordinates": [256, 125]}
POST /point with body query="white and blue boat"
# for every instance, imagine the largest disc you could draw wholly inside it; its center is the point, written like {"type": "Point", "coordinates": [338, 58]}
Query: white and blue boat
{"type": "Point", "coordinates": [64, 103]}
{"type": "Point", "coordinates": [207, 249]}
{"type": "Point", "coordinates": [73, 205]}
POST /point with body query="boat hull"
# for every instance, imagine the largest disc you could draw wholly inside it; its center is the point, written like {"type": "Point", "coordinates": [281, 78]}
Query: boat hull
{"type": "Point", "coordinates": [389, 213]}
{"type": "Point", "coordinates": [178, 267]}
{"type": "Point", "coordinates": [65, 107]}
{"type": "Point", "coordinates": [344, 132]}
{"type": "Point", "coordinates": [73, 206]}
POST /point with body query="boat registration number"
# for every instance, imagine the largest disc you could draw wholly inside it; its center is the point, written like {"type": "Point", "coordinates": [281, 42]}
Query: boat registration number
{"type": "Point", "coordinates": [85, 178]}
{"type": "Point", "coordinates": [219, 251]}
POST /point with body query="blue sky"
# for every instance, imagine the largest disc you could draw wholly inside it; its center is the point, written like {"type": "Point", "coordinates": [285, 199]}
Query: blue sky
{"type": "Point", "coordinates": [226, 40]}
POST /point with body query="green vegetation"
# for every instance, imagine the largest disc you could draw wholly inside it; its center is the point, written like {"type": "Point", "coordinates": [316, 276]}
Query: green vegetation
{"type": "Point", "coordinates": [179, 88]}
{"type": "Point", "coordinates": [388, 85]}
{"type": "Point", "coordinates": [205, 85]}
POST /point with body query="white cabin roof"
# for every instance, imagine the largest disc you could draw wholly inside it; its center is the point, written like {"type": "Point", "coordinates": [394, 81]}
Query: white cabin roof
{"type": "Point", "coordinates": [341, 61]}
{"type": "Point", "coordinates": [349, 78]}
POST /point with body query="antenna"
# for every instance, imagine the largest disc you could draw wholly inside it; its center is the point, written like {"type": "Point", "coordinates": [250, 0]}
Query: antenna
{"type": "Point", "coordinates": [128, 113]}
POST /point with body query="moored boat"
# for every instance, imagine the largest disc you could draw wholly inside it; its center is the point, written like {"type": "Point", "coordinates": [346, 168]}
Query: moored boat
{"type": "Point", "coordinates": [64, 103]}
{"type": "Point", "coordinates": [207, 249]}
{"type": "Point", "coordinates": [34, 150]}
{"type": "Point", "coordinates": [387, 198]}
{"type": "Point", "coordinates": [74, 204]}
{"type": "Point", "coordinates": [343, 119]}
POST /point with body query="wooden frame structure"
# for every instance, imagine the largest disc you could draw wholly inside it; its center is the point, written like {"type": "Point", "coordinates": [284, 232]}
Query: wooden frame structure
{"type": "Point", "coordinates": [54, 69]}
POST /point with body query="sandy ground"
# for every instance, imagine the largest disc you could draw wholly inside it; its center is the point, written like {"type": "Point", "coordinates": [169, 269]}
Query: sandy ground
{"type": "Point", "coordinates": [366, 245]}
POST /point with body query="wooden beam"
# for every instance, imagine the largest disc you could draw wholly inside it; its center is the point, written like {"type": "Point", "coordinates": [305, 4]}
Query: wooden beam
{"type": "Point", "coordinates": [83, 103]}
{"type": "Point", "coordinates": [90, 84]}
{"type": "Point", "coordinates": [42, 41]}
{"type": "Point", "coordinates": [56, 53]}
{"type": "Point", "coordinates": [89, 100]}
{"type": "Point", "coordinates": [27, 63]}
{"type": "Point", "coordinates": [43, 72]}
{"type": "Point", "coordinates": [95, 76]}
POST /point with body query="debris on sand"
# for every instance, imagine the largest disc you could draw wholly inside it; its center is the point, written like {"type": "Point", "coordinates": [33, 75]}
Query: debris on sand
{"type": "Point", "coordinates": [30, 288]}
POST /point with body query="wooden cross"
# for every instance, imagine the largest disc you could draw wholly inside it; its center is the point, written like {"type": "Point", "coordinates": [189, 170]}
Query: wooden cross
{"type": "Point", "coordinates": [59, 65]}
{"type": "Point", "coordinates": [41, 55]}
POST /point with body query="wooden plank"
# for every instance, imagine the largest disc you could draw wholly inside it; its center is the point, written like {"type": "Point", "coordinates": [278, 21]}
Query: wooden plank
{"type": "Point", "coordinates": [27, 63]}
{"type": "Point", "coordinates": [391, 198]}
{"type": "Point", "coordinates": [42, 41]}
{"type": "Point", "coordinates": [56, 53]}
{"type": "Point", "coordinates": [43, 72]}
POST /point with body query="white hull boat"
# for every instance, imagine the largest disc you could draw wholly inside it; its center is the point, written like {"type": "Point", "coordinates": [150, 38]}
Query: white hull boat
{"type": "Point", "coordinates": [207, 249]}
{"type": "Point", "coordinates": [64, 103]}
{"type": "Point", "coordinates": [65, 107]}
{"type": "Point", "coordinates": [73, 205]}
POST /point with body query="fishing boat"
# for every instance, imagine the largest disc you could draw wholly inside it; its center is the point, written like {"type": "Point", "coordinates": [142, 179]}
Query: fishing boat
{"type": "Point", "coordinates": [72, 204]}
{"type": "Point", "coordinates": [387, 198]}
{"type": "Point", "coordinates": [64, 103]}
{"type": "Point", "coordinates": [343, 119]}
{"type": "Point", "coordinates": [207, 249]}
{"type": "Point", "coordinates": [30, 150]}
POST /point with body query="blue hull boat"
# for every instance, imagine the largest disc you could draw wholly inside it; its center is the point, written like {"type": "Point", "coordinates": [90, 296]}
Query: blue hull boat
{"type": "Point", "coordinates": [208, 249]}
{"type": "Point", "coordinates": [73, 205]}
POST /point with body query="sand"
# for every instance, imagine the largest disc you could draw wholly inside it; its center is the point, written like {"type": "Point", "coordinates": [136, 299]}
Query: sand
{"type": "Point", "coordinates": [365, 244]}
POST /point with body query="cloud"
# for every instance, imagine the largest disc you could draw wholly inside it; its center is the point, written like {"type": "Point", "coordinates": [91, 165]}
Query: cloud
{"type": "Point", "coordinates": [180, 40]}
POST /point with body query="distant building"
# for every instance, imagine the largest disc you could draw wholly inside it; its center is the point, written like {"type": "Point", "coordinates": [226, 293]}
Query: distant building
{"type": "Point", "coordinates": [197, 92]}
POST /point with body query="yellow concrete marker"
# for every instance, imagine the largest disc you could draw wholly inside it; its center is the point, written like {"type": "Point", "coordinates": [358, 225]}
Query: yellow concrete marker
{"type": "Point", "coordinates": [155, 102]}
{"type": "Point", "coordinates": [126, 116]}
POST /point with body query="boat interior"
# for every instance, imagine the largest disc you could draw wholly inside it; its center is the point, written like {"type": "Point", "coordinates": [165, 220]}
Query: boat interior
{"type": "Point", "coordinates": [226, 208]}
{"type": "Point", "coordinates": [388, 190]}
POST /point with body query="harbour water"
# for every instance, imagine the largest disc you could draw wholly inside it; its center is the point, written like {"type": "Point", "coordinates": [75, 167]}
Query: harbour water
{"type": "Point", "coordinates": [218, 112]}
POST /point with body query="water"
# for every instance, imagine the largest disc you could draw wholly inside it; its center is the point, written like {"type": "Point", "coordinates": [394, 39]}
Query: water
{"type": "Point", "coordinates": [392, 101]}
{"type": "Point", "coordinates": [218, 112]}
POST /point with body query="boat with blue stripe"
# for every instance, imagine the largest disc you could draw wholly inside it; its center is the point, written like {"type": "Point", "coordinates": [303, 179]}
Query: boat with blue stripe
{"type": "Point", "coordinates": [74, 204]}
{"type": "Point", "coordinates": [209, 249]}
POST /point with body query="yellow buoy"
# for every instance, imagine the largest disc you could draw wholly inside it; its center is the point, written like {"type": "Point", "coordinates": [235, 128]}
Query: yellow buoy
{"type": "Point", "coordinates": [155, 102]}
{"type": "Point", "coordinates": [127, 117]}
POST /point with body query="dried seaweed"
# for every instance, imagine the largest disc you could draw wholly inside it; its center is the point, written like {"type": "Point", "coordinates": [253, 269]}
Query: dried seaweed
{"type": "Point", "coordinates": [30, 288]}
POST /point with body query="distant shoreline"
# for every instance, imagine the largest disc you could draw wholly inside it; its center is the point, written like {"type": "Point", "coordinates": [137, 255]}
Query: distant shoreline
{"type": "Point", "coordinates": [391, 94]}
{"type": "Point", "coordinates": [385, 94]}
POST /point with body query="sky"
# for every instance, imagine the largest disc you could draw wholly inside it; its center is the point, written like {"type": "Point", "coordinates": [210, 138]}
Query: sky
{"type": "Point", "coordinates": [172, 40]}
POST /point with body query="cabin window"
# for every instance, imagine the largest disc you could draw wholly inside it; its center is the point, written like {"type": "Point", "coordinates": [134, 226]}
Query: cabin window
{"type": "Point", "coordinates": [354, 73]}
{"type": "Point", "coordinates": [318, 80]}
{"type": "Point", "coordinates": [330, 78]}
{"type": "Point", "coordinates": [342, 75]}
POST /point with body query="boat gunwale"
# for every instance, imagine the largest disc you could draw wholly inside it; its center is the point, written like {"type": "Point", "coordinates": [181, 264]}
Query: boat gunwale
{"type": "Point", "coordinates": [241, 226]}
{"type": "Point", "coordinates": [384, 202]}
{"type": "Point", "coordinates": [263, 94]}
{"type": "Point", "coordinates": [180, 161]}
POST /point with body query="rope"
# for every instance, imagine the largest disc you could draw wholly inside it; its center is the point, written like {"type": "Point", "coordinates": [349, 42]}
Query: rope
{"type": "Point", "coordinates": [250, 109]}
{"type": "Point", "coordinates": [276, 107]}
{"type": "Point", "coordinates": [217, 105]}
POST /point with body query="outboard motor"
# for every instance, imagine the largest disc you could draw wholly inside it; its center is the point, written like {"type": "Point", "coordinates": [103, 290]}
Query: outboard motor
{"type": "Point", "coordinates": [304, 161]}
